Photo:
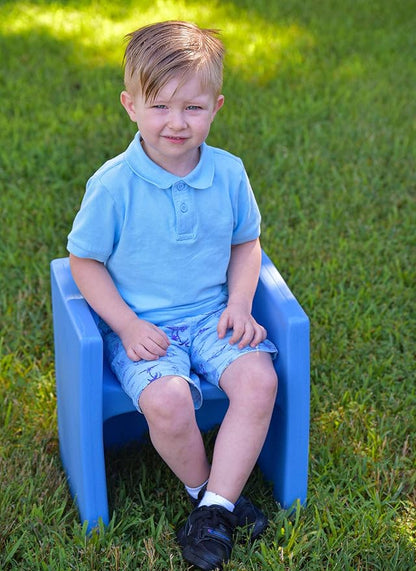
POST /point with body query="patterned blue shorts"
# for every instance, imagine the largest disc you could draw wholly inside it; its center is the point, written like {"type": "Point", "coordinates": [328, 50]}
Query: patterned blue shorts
{"type": "Point", "coordinates": [195, 352]}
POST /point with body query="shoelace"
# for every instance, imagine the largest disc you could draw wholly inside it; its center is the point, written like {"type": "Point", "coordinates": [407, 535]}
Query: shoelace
{"type": "Point", "coordinates": [214, 522]}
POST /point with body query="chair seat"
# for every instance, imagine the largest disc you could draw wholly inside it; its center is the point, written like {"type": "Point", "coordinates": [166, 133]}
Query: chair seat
{"type": "Point", "coordinates": [117, 402]}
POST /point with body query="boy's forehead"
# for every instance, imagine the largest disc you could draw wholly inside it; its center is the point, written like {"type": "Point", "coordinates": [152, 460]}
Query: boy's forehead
{"type": "Point", "coordinates": [184, 87]}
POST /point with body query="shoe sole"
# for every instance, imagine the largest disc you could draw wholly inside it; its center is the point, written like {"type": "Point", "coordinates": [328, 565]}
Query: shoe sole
{"type": "Point", "coordinates": [194, 559]}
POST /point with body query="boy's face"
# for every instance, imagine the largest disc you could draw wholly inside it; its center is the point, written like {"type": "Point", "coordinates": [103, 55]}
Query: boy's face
{"type": "Point", "coordinates": [175, 124]}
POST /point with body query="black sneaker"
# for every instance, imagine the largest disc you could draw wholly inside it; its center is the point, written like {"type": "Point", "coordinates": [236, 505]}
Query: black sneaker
{"type": "Point", "coordinates": [206, 538]}
{"type": "Point", "coordinates": [246, 514]}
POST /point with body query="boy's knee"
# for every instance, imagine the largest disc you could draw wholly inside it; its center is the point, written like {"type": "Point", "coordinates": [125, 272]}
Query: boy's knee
{"type": "Point", "coordinates": [271, 381]}
{"type": "Point", "coordinates": [252, 380]}
{"type": "Point", "coordinates": [167, 401]}
{"type": "Point", "coordinates": [263, 384]}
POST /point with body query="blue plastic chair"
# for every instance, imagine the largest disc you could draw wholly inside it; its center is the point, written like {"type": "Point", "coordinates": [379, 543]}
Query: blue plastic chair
{"type": "Point", "coordinates": [94, 412]}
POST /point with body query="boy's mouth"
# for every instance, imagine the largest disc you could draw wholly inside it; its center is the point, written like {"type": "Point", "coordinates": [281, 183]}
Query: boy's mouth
{"type": "Point", "coordinates": [175, 139]}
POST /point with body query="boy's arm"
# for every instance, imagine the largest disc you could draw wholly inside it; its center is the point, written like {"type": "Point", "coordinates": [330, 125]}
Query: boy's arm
{"type": "Point", "coordinates": [141, 339]}
{"type": "Point", "coordinates": [243, 275]}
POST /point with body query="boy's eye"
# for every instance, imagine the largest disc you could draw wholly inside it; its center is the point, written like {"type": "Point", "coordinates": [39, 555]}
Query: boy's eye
{"type": "Point", "coordinates": [159, 106]}
{"type": "Point", "coordinates": [193, 107]}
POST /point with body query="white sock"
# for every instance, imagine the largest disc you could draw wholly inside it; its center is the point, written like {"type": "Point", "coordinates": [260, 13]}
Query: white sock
{"type": "Point", "coordinates": [194, 492]}
{"type": "Point", "coordinates": [211, 498]}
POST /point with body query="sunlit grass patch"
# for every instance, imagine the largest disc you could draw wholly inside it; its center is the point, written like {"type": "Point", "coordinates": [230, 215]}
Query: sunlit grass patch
{"type": "Point", "coordinates": [256, 47]}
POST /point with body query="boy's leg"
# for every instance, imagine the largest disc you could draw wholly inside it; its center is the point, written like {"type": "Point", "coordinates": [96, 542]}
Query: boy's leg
{"type": "Point", "coordinates": [250, 383]}
{"type": "Point", "coordinates": [169, 410]}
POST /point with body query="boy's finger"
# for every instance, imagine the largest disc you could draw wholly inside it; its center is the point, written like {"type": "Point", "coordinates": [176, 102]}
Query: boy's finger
{"type": "Point", "coordinates": [160, 337]}
{"type": "Point", "coordinates": [222, 326]}
{"type": "Point", "coordinates": [155, 347]}
{"type": "Point", "coordinates": [142, 353]}
{"type": "Point", "coordinates": [132, 355]}
{"type": "Point", "coordinates": [247, 338]}
{"type": "Point", "coordinates": [259, 336]}
{"type": "Point", "coordinates": [239, 332]}
{"type": "Point", "coordinates": [162, 341]}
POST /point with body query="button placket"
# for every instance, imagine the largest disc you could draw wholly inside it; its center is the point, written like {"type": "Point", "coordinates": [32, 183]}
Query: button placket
{"type": "Point", "coordinates": [185, 219]}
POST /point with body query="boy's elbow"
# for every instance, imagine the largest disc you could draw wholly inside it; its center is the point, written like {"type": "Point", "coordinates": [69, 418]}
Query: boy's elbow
{"type": "Point", "coordinates": [74, 261]}
{"type": "Point", "coordinates": [79, 264]}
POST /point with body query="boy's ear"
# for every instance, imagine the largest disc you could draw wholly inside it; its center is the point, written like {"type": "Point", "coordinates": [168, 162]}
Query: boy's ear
{"type": "Point", "coordinates": [127, 102]}
{"type": "Point", "coordinates": [219, 103]}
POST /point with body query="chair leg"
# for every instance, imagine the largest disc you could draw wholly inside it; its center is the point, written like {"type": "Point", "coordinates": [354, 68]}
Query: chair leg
{"type": "Point", "coordinates": [82, 454]}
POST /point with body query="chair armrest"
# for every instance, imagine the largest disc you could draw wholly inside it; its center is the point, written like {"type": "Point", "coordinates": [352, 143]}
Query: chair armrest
{"type": "Point", "coordinates": [276, 308]}
{"type": "Point", "coordinates": [287, 324]}
{"type": "Point", "coordinates": [78, 343]}
{"type": "Point", "coordinates": [79, 375]}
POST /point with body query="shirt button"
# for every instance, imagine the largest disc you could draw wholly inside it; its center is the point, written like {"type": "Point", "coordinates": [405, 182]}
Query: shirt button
{"type": "Point", "coordinates": [180, 186]}
{"type": "Point", "coordinates": [184, 207]}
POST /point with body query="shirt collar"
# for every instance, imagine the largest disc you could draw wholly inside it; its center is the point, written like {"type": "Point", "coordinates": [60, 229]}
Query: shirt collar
{"type": "Point", "coordinates": [200, 177]}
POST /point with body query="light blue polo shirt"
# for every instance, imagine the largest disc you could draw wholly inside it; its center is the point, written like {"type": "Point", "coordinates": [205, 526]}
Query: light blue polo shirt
{"type": "Point", "coordinates": [166, 240]}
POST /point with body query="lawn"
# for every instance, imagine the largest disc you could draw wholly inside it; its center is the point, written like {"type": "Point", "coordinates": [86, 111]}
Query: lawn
{"type": "Point", "coordinates": [321, 106]}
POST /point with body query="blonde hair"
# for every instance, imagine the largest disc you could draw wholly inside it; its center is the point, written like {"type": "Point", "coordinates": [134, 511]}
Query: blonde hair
{"type": "Point", "coordinates": [157, 53]}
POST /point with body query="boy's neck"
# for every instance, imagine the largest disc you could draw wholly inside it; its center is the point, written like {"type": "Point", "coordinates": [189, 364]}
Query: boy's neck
{"type": "Point", "coordinates": [179, 168]}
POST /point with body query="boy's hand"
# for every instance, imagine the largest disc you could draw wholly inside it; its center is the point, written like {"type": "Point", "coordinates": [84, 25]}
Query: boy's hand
{"type": "Point", "coordinates": [245, 328]}
{"type": "Point", "coordinates": [143, 340]}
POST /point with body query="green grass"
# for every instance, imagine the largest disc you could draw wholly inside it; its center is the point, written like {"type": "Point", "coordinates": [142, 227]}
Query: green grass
{"type": "Point", "coordinates": [320, 104]}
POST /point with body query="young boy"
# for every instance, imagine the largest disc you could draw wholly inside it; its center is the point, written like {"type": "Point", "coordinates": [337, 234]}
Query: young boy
{"type": "Point", "coordinates": [166, 250]}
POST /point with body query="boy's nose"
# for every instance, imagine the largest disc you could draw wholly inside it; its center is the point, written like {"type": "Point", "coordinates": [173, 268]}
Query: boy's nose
{"type": "Point", "coordinates": [177, 120]}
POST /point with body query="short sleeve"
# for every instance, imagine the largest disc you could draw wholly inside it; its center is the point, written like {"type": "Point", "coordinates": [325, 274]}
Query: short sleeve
{"type": "Point", "coordinates": [247, 217]}
{"type": "Point", "coordinates": [95, 228]}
